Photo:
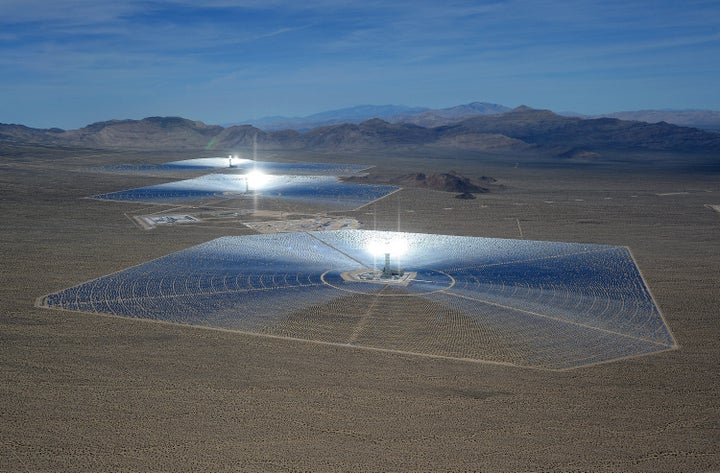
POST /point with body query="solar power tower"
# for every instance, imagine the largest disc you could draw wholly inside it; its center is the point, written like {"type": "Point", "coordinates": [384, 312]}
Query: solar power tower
{"type": "Point", "coordinates": [536, 304]}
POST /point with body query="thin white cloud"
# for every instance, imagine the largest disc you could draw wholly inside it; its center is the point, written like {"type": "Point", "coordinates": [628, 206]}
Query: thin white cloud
{"type": "Point", "coordinates": [82, 12]}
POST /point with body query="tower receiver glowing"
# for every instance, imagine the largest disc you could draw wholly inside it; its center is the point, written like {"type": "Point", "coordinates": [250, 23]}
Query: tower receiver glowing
{"type": "Point", "coordinates": [230, 160]}
{"type": "Point", "coordinates": [396, 247]}
{"type": "Point", "coordinates": [256, 180]}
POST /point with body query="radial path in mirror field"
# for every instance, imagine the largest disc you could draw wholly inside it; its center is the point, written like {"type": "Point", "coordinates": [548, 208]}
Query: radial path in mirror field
{"type": "Point", "coordinates": [545, 305]}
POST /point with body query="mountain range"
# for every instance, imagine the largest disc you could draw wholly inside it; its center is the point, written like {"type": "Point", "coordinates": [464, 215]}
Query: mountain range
{"type": "Point", "coordinates": [490, 128]}
{"type": "Point", "coordinates": [426, 117]}
{"type": "Point", "coordinates": [390, 113]}
{"type": "Point", "coordinates": [703, 119]}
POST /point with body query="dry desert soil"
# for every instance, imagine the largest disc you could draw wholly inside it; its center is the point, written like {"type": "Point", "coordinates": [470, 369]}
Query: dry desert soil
{"type": "Point", "coordinates": [86, 392]}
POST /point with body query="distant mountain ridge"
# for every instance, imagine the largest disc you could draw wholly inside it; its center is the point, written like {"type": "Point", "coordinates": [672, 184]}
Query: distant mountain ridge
{"type": "Point", "coordinates": [522, 128]}
{"type": "Point", "coordinates": [427, 117]}
{"type": "Point", "coordinates": [391, 113]}
{"type": "Point", "coordinates": [356, 114]}
{"type": "Point", "coordinates": [703, 119]}
{"type": "Point", "coordinates": [547, 129]}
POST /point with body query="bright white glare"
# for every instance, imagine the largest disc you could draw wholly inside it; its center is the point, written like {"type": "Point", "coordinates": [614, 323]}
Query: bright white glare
{"type": "Point", "coordinates": [256, 180]}
{"type": "Point", "coordinates": [395, 247]}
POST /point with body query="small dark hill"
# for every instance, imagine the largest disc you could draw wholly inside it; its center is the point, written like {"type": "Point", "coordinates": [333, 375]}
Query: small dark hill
{"type": "Point", "coordinates": [446, 182]}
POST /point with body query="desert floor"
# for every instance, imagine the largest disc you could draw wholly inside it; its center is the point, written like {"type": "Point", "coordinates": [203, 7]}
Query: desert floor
{"type": "Point", "coordinates": [84, 392]}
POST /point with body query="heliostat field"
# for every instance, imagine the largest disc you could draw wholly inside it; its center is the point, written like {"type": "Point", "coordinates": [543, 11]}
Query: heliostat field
{"type": "Point", "coordinates": [315, 183]}
{"type": "Point", "coordinates": [324, 190]}
{"type": "Point", "coordinates": [537, 304]}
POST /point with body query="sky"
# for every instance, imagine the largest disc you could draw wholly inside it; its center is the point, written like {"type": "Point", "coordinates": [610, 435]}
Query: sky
{"type": "Point", "coordinates": [69, 63]}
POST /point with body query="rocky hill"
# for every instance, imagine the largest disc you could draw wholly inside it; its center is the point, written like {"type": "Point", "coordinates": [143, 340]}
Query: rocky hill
{"type": "Point", "coordinates": [163, 131]}
{"type": "Point", "coordinates": [446, 182]}
{"type": "Point", "coordinates": [546, 129]}
{"type": "Point", "coordinates": [23, 134]}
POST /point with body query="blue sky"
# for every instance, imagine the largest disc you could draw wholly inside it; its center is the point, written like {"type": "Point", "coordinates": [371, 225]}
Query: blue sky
{"type": "Point", "coordinates": [68, 63]}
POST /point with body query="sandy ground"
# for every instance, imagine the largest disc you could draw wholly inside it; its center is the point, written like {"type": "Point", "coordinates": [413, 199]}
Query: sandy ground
{"type": "Point", "coordinates": [83, 392]}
